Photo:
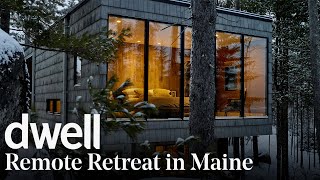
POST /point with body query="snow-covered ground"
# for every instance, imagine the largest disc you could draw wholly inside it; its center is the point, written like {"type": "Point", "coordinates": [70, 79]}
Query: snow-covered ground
{"type": "Point", "coordinates": [268, 145]}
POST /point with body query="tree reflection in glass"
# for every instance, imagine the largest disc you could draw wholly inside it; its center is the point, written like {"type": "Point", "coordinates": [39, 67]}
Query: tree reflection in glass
{"type": "Point", "coordinates": [228, 74]}
{"type": "Point", "coordinates": [255, 76]}
{"type": "Point", "coordinates": [164, 69]}
{"type": "Point", "coordinates": [130, 58]}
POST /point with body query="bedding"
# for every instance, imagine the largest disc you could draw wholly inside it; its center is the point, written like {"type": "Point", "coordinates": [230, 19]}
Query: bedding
{"type": "Point", "coordinates": [168, 102]}
{"type": "Point", "coordinates": [139, 92]}
{"type": "Point", "coordinates": [136, 92]}
{"type": "Point", "coordinates": [161, 92]}
{"type": "Point", "coordinates": [163, 102]}
{"type": "Point", "coordinates": [160, 97]}
{"type": "Point", "coordinates": [167, 105]}
{"type": "Point", "coordinates": [132, 96]}
{"type": "Point", "coordinates": [132, 92]}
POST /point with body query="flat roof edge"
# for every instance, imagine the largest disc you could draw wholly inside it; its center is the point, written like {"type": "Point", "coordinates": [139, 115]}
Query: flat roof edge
{"type": "Point", "coordinates": [244, 14]}
{"type": "Point", "coordinates": [186, 3]}
{"type": "Point", "coordinates": [222, 10]}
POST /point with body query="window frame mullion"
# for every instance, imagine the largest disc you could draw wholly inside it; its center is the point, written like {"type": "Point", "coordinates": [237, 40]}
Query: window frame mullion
{"type": "Point", "coordinates": [182, 39]}
{"type": "Point", "coordinates": [242, 92]}
{"type": "Point", "coordinates": [146, 60]}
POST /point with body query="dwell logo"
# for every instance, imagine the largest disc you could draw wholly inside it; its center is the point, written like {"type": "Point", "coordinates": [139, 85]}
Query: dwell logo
{"type": "Point", "coordinates": [94, 161]}
{"type": "Point", "coordinates": [90, 132]}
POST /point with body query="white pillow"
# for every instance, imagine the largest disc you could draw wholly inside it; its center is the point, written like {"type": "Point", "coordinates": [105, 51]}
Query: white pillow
{"type": "Point", "coordinates": [150, 92]}
{"type": "Point", "coordinates": [132, 96]}
{"type": "Point", "coordinates": [139, 92]}
{"type": "Point", "coordinates": [161, 92]}
{"type": "Point", "coordinates": [132, 92]}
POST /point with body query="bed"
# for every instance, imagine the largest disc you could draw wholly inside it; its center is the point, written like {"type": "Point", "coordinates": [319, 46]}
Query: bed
{"type": "Point", "coordinates": [163, 99]}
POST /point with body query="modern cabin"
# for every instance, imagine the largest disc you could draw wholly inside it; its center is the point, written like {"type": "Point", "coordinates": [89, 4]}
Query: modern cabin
{"type": "Point", "coordinates": [157, 60]}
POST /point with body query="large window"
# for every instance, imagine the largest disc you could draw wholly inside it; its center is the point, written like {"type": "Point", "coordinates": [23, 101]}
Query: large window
{"type": "Point", "coordinates": [164, 69]}
{"type": "Point", "coordinates": [53, 106]}
{"type": "Point", "coordinates": [163, 53]}
{"type": "Point", "coordinates": [228, 74]}
{"type": "Point", "coordinates": [255, 55]}
{"type": "Point", "coordinates": [130, 58]}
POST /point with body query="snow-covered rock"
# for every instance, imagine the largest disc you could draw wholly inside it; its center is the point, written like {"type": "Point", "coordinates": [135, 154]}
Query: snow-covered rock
{"type": "Point", "coordinates": [13, 89]}
{"type": "Point", "coordinates": [8, 47]}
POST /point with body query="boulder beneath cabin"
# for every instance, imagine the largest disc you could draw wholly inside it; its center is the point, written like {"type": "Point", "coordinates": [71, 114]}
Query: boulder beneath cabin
{"type": "Point", "coordinates": [14, 82]}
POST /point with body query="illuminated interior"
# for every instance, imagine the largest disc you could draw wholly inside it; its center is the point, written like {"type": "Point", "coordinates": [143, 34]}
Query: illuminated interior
{"type": "Point", "coordinates": [51, 106]}
{"type": "Point", "coordinates": [130, 61]}
{"type": "Point", "coordinates": [54, 106]}
{"type": "Point", "coordinates": [58, 106]}
{"type": "Point", "coordinates": [164, 69]}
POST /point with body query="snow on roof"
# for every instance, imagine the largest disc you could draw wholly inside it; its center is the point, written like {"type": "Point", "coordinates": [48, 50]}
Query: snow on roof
{"type": "Point", "coordinates": [8, 47]}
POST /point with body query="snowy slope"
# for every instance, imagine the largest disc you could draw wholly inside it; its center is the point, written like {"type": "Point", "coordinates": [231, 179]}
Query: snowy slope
{"type": "Point", "coordinates": [8, 47]}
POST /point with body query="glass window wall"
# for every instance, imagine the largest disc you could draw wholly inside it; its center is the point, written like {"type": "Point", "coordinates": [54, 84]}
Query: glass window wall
{"type": "Point", "coordinates": [130, 58]}
{"type": "Point", "coordinates": [255, 61]}
{"type": "Point", "coordinates": [164, 69]}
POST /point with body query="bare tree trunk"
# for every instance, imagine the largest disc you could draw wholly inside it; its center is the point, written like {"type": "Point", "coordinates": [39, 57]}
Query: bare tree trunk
{"type": "Point", "coordinates": [255, 150]}
{"type": "Point", "coordinates": [297, 129]}
{"type": "Point", "coordinates": [282, 123]}
{"type": "Point", "coordinates": [301, 137]}
{"type": "Point", "coordinates": [292, 126]}
{"type": "Point", "coordinates": [314, 144]}
{"type": "Point", "coordinates": [282, 88]}
{"type": "Point", "coordinates": [222, 146]}
{"type": "Point", "coordinates": [308, 135]}
{"type": "Point", "coordinates": [5, 20]}
{"type": "Point", "coordinates": [202, 88]}
{"type": "Point", "coordinates": [236, 147]}
{"type": "Point", "coordinates": [229, 4]}
{"type": "Point", "coordinates": [242, 147]}
{"type": "Point", "coordinates": [315, 54]}
{"type": "Point", "coordinates": [237, 4]}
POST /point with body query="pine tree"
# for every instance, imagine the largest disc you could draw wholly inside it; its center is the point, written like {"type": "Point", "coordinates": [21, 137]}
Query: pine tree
{"type": "Point", "coordinates": [29, 16]}
{"type": "Point", "coordinates": [202, 88]}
